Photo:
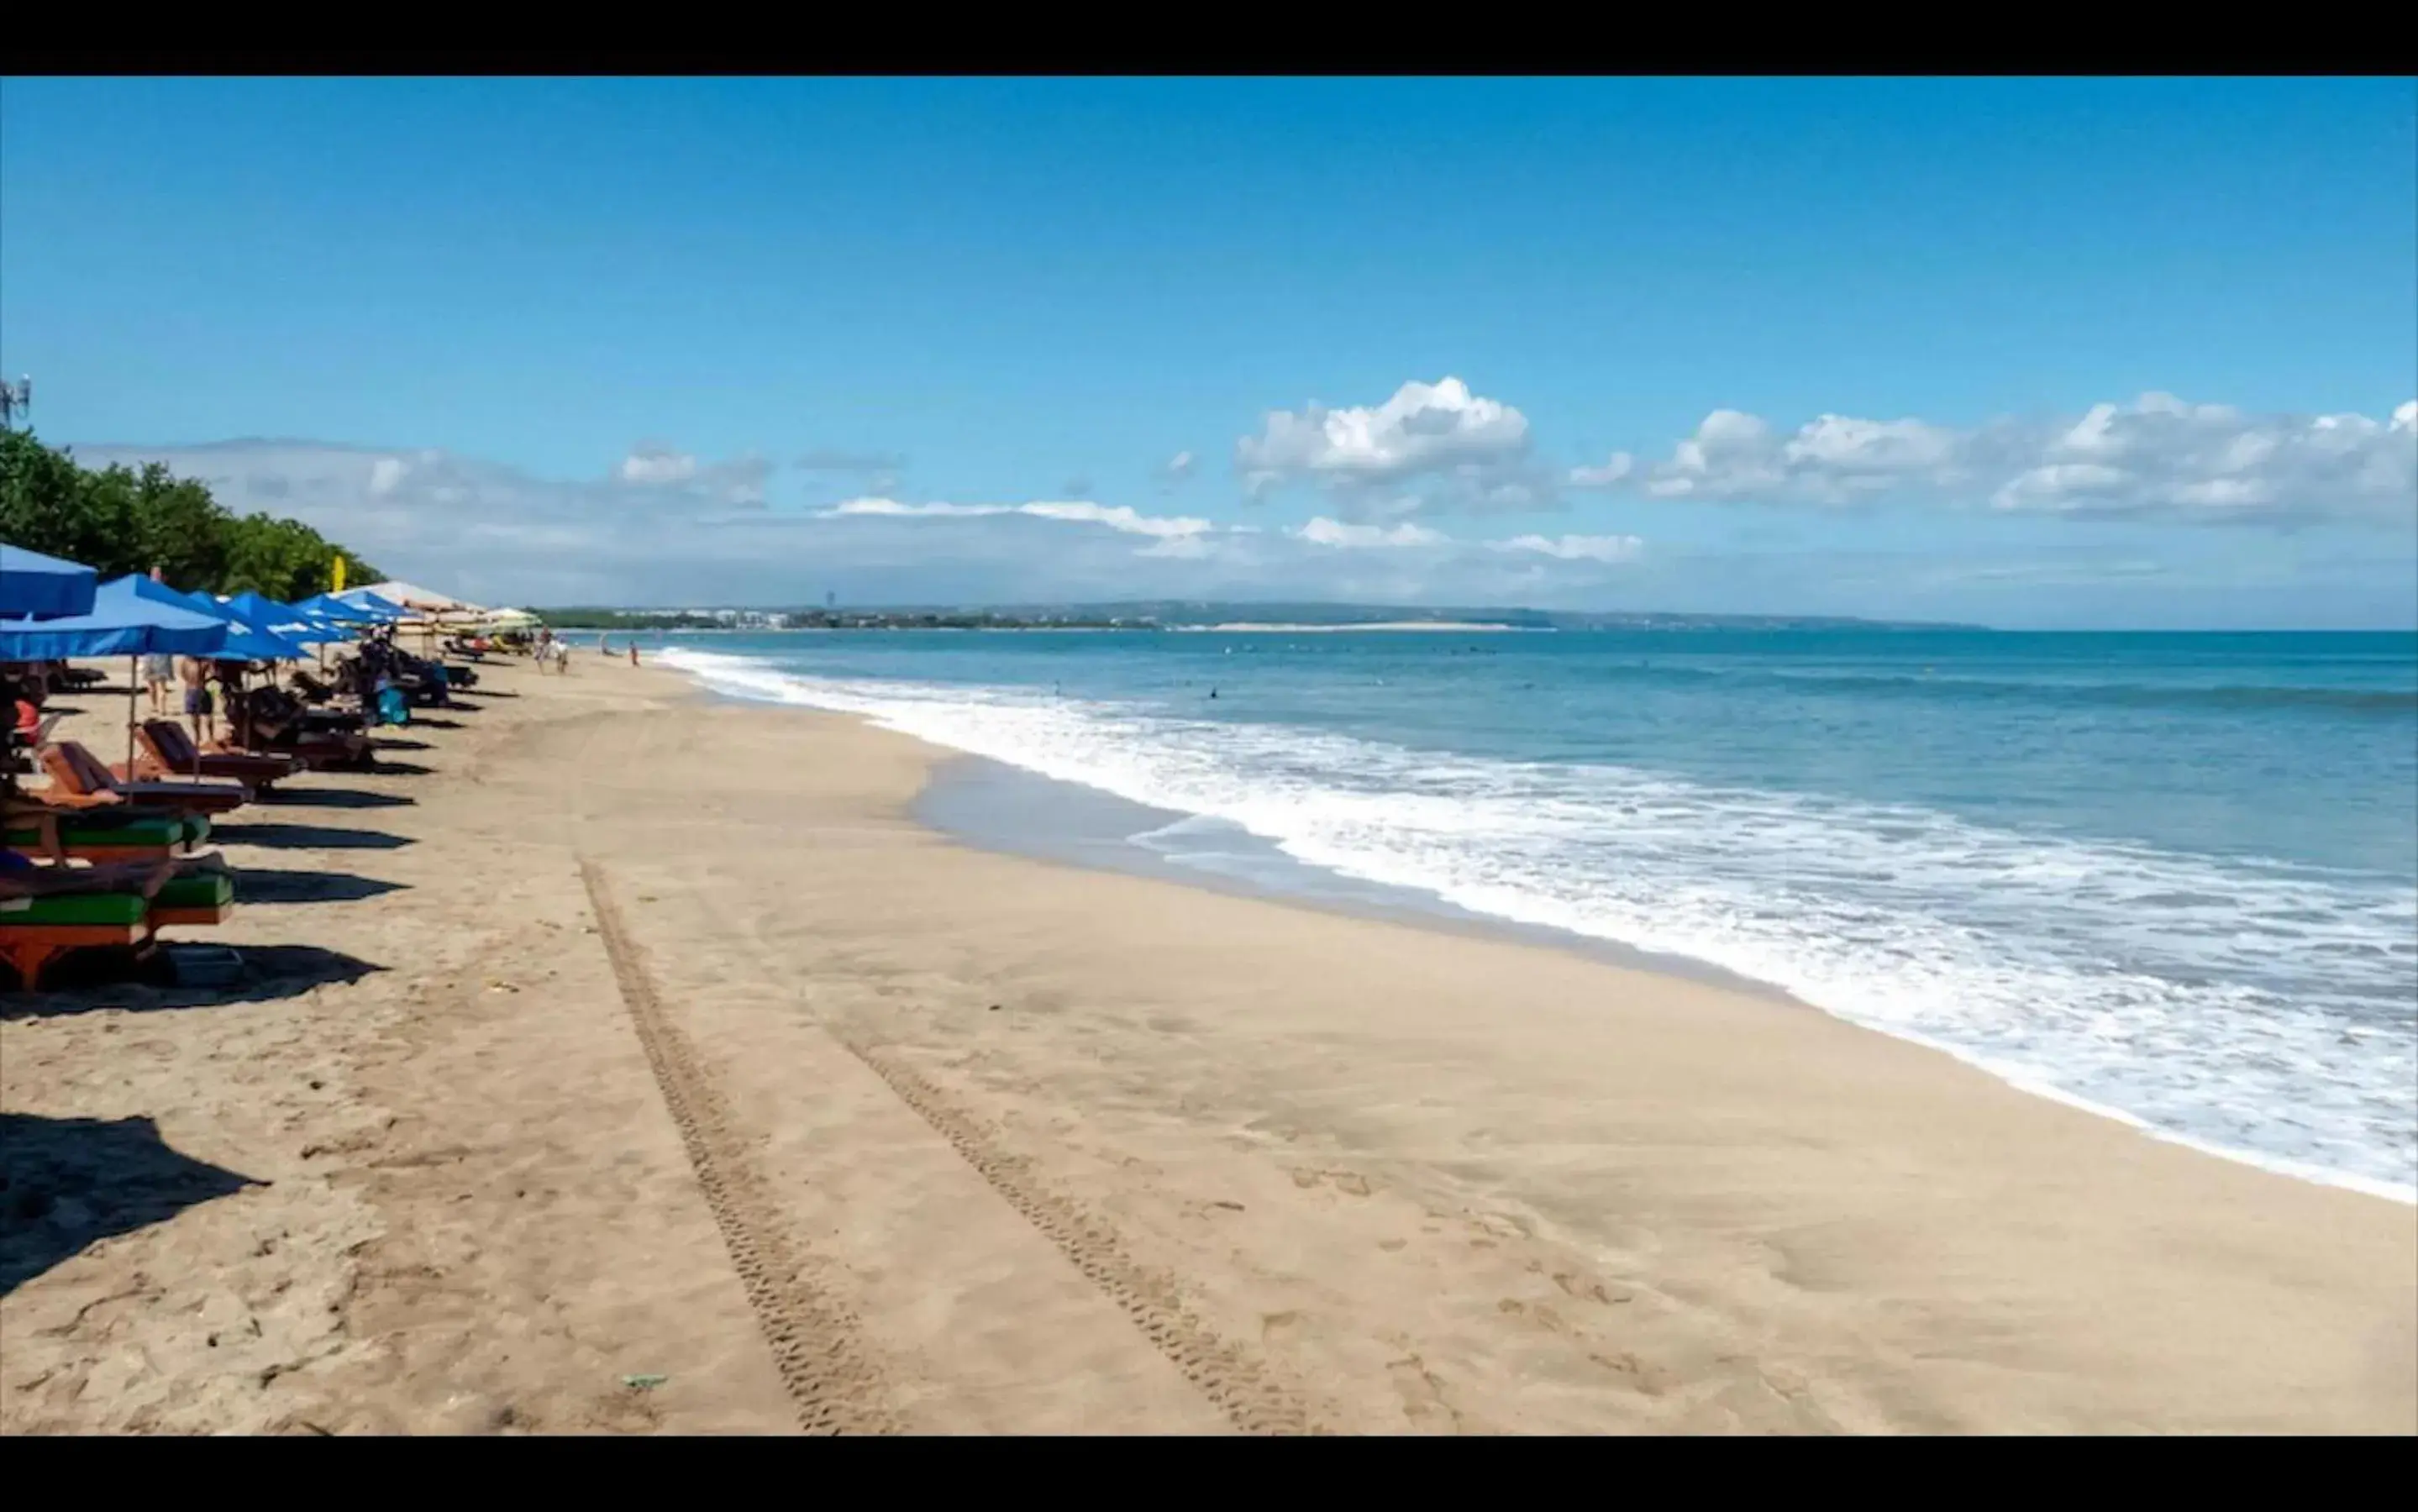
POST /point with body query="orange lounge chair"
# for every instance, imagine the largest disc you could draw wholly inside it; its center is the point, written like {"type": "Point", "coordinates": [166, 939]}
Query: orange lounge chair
{"type": "Point", "coordinates": [78, 780]}
{"type": "Point", "coordinates": [168, 752]}
{"type": "Point", "coordinates": [34, 932]}
{"type": "Point", "coordinates": [113, 832]}
{"type": "Point", "coordinates": [47, 913]}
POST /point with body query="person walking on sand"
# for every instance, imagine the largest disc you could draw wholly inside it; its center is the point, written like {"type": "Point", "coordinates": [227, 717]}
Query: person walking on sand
{"type": "Point", "coordinates": [198, 706]}
{"type": "Point", "coordinates": [633, 650]}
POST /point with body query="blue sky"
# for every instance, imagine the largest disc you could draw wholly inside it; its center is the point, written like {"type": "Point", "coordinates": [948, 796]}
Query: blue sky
{"type": "Point", "coordinates": [564, 338]}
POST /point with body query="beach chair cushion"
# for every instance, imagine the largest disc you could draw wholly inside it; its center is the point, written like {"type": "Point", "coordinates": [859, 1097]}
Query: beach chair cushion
{"type": "Point", "coordinates": [196, 889]}
{"type": "Point", "coordinates": [78, 909]}
{"type": "Point", "coordinates": [97, 829]}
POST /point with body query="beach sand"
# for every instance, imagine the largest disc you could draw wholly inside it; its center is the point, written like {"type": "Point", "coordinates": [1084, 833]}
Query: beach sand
{"type": "Point", "coordinates": [640, 1035]}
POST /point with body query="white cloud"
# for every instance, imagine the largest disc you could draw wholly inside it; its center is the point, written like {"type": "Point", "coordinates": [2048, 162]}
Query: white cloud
{"type": "Point", "coordinates": [497, 535]}
{"type": "Point", "coordinates": [652, 465]}
{"type": "Point", "coordinates": [1119, 517]}
{"type": "Point", "coordinates": [1614, 471]}
{"type": "Point", "coordinates": [1326, 532]}
{"type": "Point", "coordinates": [894, 507]}
{"type": "Point", "coordinates": [1575, 548]}
{"type": "Point", "coordinates": [2156, 457]}
{"type": "Point", "coordinates": [656, 464]}
{"type": "Point", "coordinates": [1178, 468]}
{"type": "Point", "coordinates": [1430, 448]}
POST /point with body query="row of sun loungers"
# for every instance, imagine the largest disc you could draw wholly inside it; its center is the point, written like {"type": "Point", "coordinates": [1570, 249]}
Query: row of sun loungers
{"type": "Point", "coordinates": [118, 852]}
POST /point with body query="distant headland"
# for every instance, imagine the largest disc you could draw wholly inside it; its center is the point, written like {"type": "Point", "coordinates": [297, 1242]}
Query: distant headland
{"type": "Point", "coordinates": [1188, 615]}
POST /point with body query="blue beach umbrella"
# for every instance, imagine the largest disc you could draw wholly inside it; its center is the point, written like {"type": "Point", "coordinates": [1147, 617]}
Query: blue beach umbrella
{"type": "Point", "coordinates": [368, 603]}
{"type": "Point", "coordinates": [267, 615]}
{"type": "Point", "coordinates": [31, 582]}
{"type": "Point", "coordinates": [123, 622]}
{"type": "Point", "coordinates": [328, 609]}
{"type": "Point", "coordinates": [244, 642]}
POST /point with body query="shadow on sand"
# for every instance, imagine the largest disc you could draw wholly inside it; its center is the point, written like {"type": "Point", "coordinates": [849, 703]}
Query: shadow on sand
{"type": "Point", "coordinates": [396, 742]}
{"type": "Point", "coordinates": [67, 1184]}
{"type": "Point", "coordinates": [397, 769]}
{"type": "Point", "coordinates": [427, 723]}
{"type": "Point", "coordinates": [92, 980]}
{"type": "Point", "coordinates": [306, 838]}
{"type": "Point", "coordinates": [332, 797]}
{"type": "Point", "coordinates": [268, 884]}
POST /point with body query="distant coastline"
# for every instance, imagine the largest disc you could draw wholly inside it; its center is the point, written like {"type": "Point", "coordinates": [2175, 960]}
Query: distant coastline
{"type": "Point", "coordinates": [1264, 626]}
{"type": "Point", "coordinates": [1192, 615]}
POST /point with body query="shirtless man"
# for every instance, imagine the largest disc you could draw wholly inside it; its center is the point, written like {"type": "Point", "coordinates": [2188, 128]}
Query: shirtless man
{"type": "Point", "coordinates": [198, 706]}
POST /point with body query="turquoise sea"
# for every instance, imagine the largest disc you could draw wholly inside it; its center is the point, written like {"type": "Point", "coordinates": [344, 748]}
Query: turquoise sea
{"type": "Point", "coordinates": [2171, 877]}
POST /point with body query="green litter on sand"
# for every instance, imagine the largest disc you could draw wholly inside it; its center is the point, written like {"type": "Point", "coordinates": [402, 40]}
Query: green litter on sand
{"type": "Point", "coordinates": [644, 1382]}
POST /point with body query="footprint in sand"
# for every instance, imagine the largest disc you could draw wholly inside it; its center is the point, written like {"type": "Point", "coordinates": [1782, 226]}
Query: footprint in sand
{"type": "Point", "coordinates": [1342, 1181]}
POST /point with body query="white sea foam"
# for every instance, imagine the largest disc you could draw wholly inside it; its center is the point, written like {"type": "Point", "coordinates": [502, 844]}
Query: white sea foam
{"type": "Point", "coordinates": [2261, 1012]}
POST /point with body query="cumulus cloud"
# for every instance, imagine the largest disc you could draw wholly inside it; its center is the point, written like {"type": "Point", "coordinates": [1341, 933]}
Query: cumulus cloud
{"type": "Point", "coordinates": [1431, 448]}
{"type": "Point", "coordinates": [497, 535]}
{"type": "Point", "coordinates": [2158, 457]}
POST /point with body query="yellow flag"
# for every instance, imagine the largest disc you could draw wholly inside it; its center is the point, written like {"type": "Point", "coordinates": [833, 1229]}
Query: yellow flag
{"type": "Point", "coordinates": [336, 574]}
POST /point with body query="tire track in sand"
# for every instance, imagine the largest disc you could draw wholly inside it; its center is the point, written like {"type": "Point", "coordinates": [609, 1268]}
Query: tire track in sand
{"type": "Point", "coordinates": [835, 1385]}
{"type": "Point", "coordinates": [1231, 1378]}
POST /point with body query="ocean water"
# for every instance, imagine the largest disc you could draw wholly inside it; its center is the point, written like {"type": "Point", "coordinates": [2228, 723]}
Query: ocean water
{"type": "Point", "coordinates": [2172, 878]}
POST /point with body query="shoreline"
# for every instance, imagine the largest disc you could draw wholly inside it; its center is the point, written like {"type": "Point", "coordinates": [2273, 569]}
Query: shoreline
{"type": "Point", "coordinates": [944, 807]}
{"type": "Point", "coordinates": [1042, 1149]}
{"type": "Point", "coordinates": [1312, 885]}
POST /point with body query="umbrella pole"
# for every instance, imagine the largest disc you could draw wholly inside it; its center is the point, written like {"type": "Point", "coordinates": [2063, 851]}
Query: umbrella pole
{"type": "Point", "coordinates": [133, 682]}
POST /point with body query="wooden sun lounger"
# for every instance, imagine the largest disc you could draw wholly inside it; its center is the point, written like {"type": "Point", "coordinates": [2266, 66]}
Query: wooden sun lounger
{"type": "Point", "coordinates": [74, 912]}
{"type": "Point", "coordinates": [291, 733]}
{"type": "Point", "coordinates": [79, 780]}
{"type": "Point", "coordinates": [31, 947]}
{"type": "Point", "coordinates": [117, 833]}
{"type": "Point", "coordinates": [52, 911]}
{"type": "Point", "coordinates": [168, 752]}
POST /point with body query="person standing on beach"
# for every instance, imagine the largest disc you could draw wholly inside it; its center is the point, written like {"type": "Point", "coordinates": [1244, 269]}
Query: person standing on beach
{"type": "Point", "coordinates": [198, 706]}
{"type": "Point", "coordinates": [159, 670]}
{"type": "Point", "coordinates": [633, 650]}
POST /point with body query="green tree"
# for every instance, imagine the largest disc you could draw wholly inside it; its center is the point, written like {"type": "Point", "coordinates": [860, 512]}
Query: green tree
{"type": "Point", "coordinates": [119, 521]}
{"type": "Point", "coordinates": [43, 503]}
{"type": "Point", "coordinates": [179, 530]}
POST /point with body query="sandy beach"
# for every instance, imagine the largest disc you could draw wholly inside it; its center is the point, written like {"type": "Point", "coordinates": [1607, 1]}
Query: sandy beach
{"type": "Point", "coordinates": [631, 1060]}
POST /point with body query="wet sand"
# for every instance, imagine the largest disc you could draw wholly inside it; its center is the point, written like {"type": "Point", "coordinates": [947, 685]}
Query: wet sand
{"type": "Point", "coordinates": [640, 1035]}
